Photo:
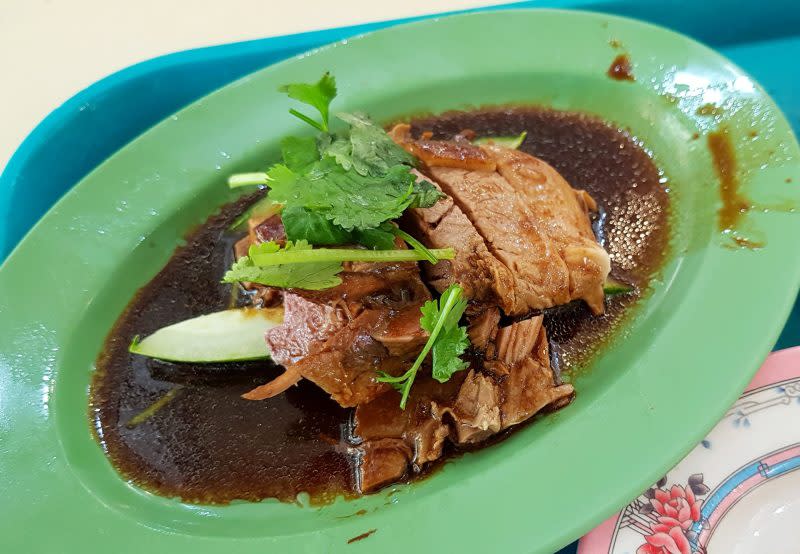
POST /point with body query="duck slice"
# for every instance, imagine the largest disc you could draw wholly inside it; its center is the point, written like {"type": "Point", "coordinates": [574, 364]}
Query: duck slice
{"type": "Point", "coordinates": [522, 235]}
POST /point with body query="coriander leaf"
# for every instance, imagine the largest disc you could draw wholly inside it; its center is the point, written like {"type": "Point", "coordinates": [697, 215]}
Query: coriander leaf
{"type": "Point", "coordinates": [612, 287]}
{"type": "Point", "coordinates": [310, 276]}
{"type": "Point", "coordinates": [297, 265]}
{"type": "Point", "coordinates": [425, 195]}
{"type": "Point", "coordinates": [299, 153]}
{"type": "Point", "coordinates": [379, 238]}
{"type": "Point", "coordinates": [283, 185]}
{"type": "Point", "coordinates": [452, 296]}
{"type": "Point", "coordinates": [356, 180]}
{"type": "Point", "coordinates": [446, 352]}
{"type": "Point", "coordinates": [318, 95]}
{"type": "Point", "coordinates": [452, 341]}
{"type": "Point", "coordinates": [364, 202]}
{"type": "Point", "coordinates": [348, 199]}
{"type": "Point", "coordinates": [271, 247]}
{"type": "Point", "coordinates": [459, 305]}
{"type": "Point", "coordinates": [151, 410]}
{"type": "Point", "coordinates": [430, 315]}
{"type": "Point", "coordinates": [303, 224]}
{"type": "Point", "coordinates": [313, 225]}
{"type": "Point", "coordinates": [440, 319]}
{"type": "Point", "coordinates": [372, 152]}
{"type": "Point", "coordinates": [396, 386]}
{"type": "Point", "coordinates": [340, 150]}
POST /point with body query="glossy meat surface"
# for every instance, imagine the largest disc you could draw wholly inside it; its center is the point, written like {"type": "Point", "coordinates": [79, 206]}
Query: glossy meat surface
{"type": "Point", "coordinates": [340, 338]}
{"type": "Point", "coordinates": [523, 235]}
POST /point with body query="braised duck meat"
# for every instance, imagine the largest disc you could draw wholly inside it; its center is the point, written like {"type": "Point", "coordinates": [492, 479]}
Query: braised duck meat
{"type": "Point", "coordinates": [561, 213]}
{"type": "Point", "coordinates": [501, 215]}
{"type": "Point", "coordinates": [484, 278]}
{"type": "Point", "coordinates": [339, 338]}
{"type": "Point", "coordinates": [510, 383]}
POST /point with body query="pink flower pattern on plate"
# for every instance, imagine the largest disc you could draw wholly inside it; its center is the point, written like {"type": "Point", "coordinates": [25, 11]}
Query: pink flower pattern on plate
{"type": "Point", "coordinates": [675, 511]}
{"type": "Point", "coordinates": [677, 508]}
{"type": "Point", "coordinates": [665, 541]}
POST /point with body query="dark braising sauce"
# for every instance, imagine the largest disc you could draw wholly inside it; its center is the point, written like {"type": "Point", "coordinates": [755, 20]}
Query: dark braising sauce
{"type": "Point", "coordinates": [621, 69]}
{"type": "Point", "coordinates": [734, 204]}
{"type": "Point", "coordinates": [208, 444]}
{"type": "Point", "coordinates": [205, 444]}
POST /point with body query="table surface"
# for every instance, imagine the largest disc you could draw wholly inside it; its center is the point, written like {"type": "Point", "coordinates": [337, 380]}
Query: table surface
{"type": "Point", "coordinates": [52, 49]}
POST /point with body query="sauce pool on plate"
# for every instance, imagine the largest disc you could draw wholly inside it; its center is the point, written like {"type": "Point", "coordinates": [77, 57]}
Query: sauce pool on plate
{"type": "Point", "coordinates": [182, 430]}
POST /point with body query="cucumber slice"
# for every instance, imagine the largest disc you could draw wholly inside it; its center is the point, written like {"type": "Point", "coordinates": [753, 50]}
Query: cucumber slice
{"type": "Point", "coordinates": [612, 287]}
{"type": "Point", "coordinates": [508, 142]}
{"type": "Point", "coordinates": [263, 208]}
{"type": "Point", "coordinates": [227, 336]}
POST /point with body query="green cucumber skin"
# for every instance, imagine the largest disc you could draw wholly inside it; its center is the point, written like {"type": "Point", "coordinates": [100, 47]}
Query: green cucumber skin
{"type": "Point", "coordinates": [134, 350]}
{"type": "Point", "coordinates": [613, 287]}
{"type": "Point", "coordinates": [238, 335]}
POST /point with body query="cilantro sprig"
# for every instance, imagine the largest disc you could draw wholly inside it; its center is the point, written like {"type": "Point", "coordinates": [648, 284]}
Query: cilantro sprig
{"type": "Point", "coordinates": [367, 149]}
{"type": "Point", "coordinates": [298, 265]}
{"type": "Point", "coordinates": [319, 95]}
{"type": "Point", "coordinates": [313, 275]}
{"type": "Point", "coordinates": [446, 343]}
{"type": "Point", "coordinates": [345, 198]}
{"type": "Point", "coordinates": [342, 188]}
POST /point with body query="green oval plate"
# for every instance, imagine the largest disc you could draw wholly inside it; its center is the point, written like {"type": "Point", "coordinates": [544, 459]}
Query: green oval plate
{"type": "Point", "coordinates": [680, 362]}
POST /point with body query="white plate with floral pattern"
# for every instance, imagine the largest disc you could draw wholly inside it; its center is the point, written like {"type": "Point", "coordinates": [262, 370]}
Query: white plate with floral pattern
{"type": "Point", "coordinates": [737, 492]}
